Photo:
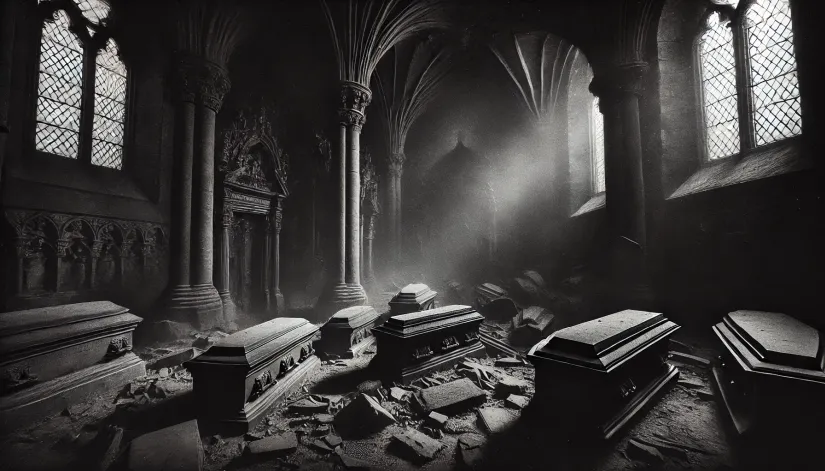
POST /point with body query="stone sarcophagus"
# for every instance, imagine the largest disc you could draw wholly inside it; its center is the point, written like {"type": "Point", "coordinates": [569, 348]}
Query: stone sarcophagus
{"type": "Point", "coordinates": [771, 374]}
{"type": "Point", "coordinates": [56, 356]}
{"type": "Point", "coordinates": [595, 376]}
{"type": "Point", "coordinates": [416, 344]}
{"type": "Point", "coordinates": [412, 298]}
{"type": "Point", "coordinates": [239, 378]}
{"type": "Point", "coordinates": [349, 332]}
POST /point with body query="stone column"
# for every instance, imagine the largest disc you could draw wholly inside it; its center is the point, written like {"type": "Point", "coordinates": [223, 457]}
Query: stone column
{"type": "Point", "coordinates": [277, 218]}
{"type": "Point", "coordinates": [7, 26]}
{"type": "Point", "coordinates": [194, 297]}
{"type": "Point", "coordinates": [246, 265]}
{"type": "Point", "coordinates": [396, 170]}
{"type": "Point", "coordinates": [345, 289]}
{"type": "Point", "coordinates": [222, 263]}
{"type": "Point", "coordinates": [369, 236]}
{"type": "Point", "coordinates": [618, 90]}
{"type": "Point", "coordinates": [269, 263]}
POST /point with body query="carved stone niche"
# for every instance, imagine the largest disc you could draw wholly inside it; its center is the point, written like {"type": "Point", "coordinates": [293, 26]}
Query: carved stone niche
{"type": "Point", "coordinates": [602, 371]}
{"type": "Point", "coordinates": [242, 376]}
{"type": "Point", "coordinates": [348, 333]}
{"type": "Point", "coordinates": [771, 378]}
{"type": "Point", "coordinates": [412, 298]}
{"type": "Point", "coordinates": [414, 345]}
{"type": "Point", "coordinates": [62, 354]}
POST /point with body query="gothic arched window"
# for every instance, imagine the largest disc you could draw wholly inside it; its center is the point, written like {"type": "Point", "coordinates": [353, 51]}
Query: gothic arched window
{"type": "Point", "coordinates": [81, 93]}
{"type": "Point", "coordinates": [597, 147]}
{"type": "Point", "coordinates": [750, 94]}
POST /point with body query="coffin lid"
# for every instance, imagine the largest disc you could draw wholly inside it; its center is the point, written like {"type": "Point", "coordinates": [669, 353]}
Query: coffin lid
{"type": "Point", "coordinates": [258, 343]}
{"type": "Point", "coordinates": [774, 342]}
{"type": "Point", "coordinates": [413, 293]}
{"type": "Point", "coordinates": [606, 342]}
{"type": "Point", "coordinates": [430, 319]}
{"type": "Point", "coordinates": [491, 288]}
{"type": "Point", "coordinates": [352, 317]}
{"type": "Point", "coordinates": [18, 322]}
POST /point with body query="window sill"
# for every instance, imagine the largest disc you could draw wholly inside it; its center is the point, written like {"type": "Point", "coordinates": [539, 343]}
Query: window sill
{"type": "Point", "coordinates": [761, 163]}
{"type": "Point", "coordinates": [594, 203]}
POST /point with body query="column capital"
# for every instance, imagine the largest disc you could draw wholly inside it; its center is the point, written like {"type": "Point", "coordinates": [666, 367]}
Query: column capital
{"type": "Point", "coordinates": [352, 118]}
{"type": "Point", "coordinates": [396, 163]}
{"type": "Point", "coordinates": [618, 82]}
{"type": "Point", "coordinates": [201, 81]}
{"type": "Point", "coordinates": [227, 216]}
{"type": "Point", "coordinates": [354, 101]}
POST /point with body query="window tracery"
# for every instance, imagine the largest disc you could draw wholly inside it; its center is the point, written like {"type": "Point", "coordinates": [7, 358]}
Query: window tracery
{"type": "Point", "coordinates": [597, 147]}
{"type": "Point", "coordinates": [82, 85]}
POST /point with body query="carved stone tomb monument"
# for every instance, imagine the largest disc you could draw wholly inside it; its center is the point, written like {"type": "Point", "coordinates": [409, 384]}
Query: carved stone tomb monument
{"type": "Point", "coordinates": [412, 298]}
{"type": "Point", "coordinates": [57, 356]}
{"type": "Point", "coordinates": [416, 344]}
{"type": "Point", "coordinates": [239, 378]}
{"type": "Point", "coordinates": [349, 332]}
{"type": "Point", "coordinates": [772, 373]}
{"type": "Point", "coordinates": [595, 376]}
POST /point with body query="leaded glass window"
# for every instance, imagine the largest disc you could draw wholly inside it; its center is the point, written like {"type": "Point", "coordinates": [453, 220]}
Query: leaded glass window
{"type": "Point", "coordinates": [82, 85]}
{"type": "Point", "coordinates": [719, 89]}
{"type": "Point", "coordinates": [754, 102]}
{"type": "Point", "coordinates": [597, 147]}
{"type": "Point", "coordinates": [776, 109]}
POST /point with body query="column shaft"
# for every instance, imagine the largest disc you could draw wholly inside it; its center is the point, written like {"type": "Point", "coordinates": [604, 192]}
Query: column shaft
{"type": "Point", "coordinates": [202, 197]}
{"type": "Point", "coordinates": [340, 275]}
{"type": "Point", "coordinates": [353, 207]}
{"type": "Point", "coordinates": [184, 141]}
{"type": "Point", "coordinates": [276, 260]}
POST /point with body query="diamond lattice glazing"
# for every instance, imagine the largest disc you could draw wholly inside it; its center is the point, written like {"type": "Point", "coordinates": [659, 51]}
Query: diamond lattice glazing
{"type": "Point", "coordinates": [597, 126]}
{"type": "Point", "coordinates": [719, 89]}
{"type": "Point", "coordinates": [110, 100]}
{"type": "Point", "coordinates": [774, 88]}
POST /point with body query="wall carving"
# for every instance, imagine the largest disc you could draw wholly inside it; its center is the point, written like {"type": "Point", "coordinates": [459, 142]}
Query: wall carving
{"type": "Point", "coordinates": [50, 253]}
{"type": "Point", "coordinates": [252, 156]}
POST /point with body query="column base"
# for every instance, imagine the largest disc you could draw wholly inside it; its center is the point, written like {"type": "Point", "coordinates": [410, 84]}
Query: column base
{"type": "Point", "coordinates": [199, 305]}
{"type": "Point", "coordinates": [340, 296]}
{"type": "Point", "coordinates": [229, 310]}
{"type": "Point", "coordinates": [280, 303]}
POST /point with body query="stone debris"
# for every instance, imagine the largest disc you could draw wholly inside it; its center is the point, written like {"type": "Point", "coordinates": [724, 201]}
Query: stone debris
{"type": "Point", "coordinates": [157, 392]}
{"type": "Point", "coordinates": [324, 418]}
{"type": "Point", "coordinates": [496, 419]}
{"type": "Point", "coordinates": [469, 448]}
{"type": "Point", "coordinates": [351, 462]}
{"type": "Point", "coordinates": [661, 438]}
{"type": "Point", "coordinates": [517, 402]}
{"type": "Point", "coordinates": [677, 346]}
{"type": "Point", "coordinates": [363, 416]}
{"type": "Point", "coordinates": [452, 397]}
{"type": "Point", "coordinates": [531, 325]}
{"type": "Point", "coordinates": [369, 387]}
{"type": "Point", "coordinates": [310, 405]}
{"type": "Point", "coordinates": [176, 448]}
{"type": "Point", "coordinates": [689, 359]}
{"type": "Point", "coordinates": [642, 452]}
{"type": "Point", "coordinates": [471, 440]}
{"type": "Point", "coordinates": [321, 446]}
{"type": "Point", "coordinates": [399, 394]}
{"type": "Point", "coordinates": [500, 309]}
{"type": "Point", "coordinates": [252, 436]}
{"type": "Point", "coordinates": [437, 420]}
{"type": "Point", "coordinates": [508, 362]}
{"type": "Point", "coordinates": [422, 446]}
{"type": "Point", "coordinates": [174, 359]}
{"type": "Point", "coordinates": [276, 445]}
{"type": "Point", "coordinates": [113, 450]}
{"type": "Point", "coordinates": [483, 376]}
{"type": "Point", "coordinates": [332, 440]}
{"type": "Point", "coordinates": [508, 385]}
{"type": "Point", "coordinates": [322, 430]}
{"type": "Point", "coordinates": [203, 342]}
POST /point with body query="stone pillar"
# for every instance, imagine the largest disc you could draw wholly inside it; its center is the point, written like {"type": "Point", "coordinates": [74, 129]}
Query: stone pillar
{"type": "Point", "coordinates": [222, 282]}
{"type": "Point", "coordinates": [194, 297]}
{"type": "Point", "coordinates": [396, 170]}
{"type": "Point", "coordinates": [344, 289]}
{"type": "Point", "coordinates": [277, 218]}
{"type": "Point", "coordinates": [7, 26]}
{"type": "Point", "coordinates": [269, 264]}
{"type": "Point", "coordinates": [618, 90]}
{"type": "Point", "coordinates": [369, 236]}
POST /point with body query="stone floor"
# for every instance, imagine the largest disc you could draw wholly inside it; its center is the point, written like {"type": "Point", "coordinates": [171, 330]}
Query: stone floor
{"type": "Point", "coordinates": [687, 416]}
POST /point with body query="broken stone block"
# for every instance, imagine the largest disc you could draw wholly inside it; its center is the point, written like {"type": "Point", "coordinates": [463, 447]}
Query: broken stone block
{"type": "Point", "coordinates": [324, 418]}
{"type": "Point", "coordinates": [321, 446]}
{"type": "Point", "coordinates": [252, 436]}
{"type": "Point", "coordinates": [487, 292]}
{"type": "Point", "coordinates": [535, 277]}
{"type": "Point", "coordinates": [113, 450]}
{"type": "Point", "coordinates": [399, 394]}
{"type": "Point", "coordinates": [642, 452]}
{"type": "Point", "coordinates": [689, 359]}
{"type": "Point", "coordinates": [332, 440]}
{"type": "Point", "coordinates": [500, 309]}
{"type": "Point", "coordinates": [242, 376]}
{"type": "Point", "coordinates": [348, 333]}
{"type": "Point", "coordinates": [496, 419]}
{"type": "Point", "coordinates": [471, 440]}
{"type": "Point", "coordinates": [176, 448]}
{"type": "Point", "coordinates": [363, 416]}
{"type": "Point", "coordinates": [174, 359]}
{"type": "Point", "coordinates": [350, 462]}
{"type": "Point", "coordinates": [508, 362]}
{"type": "Point", "coordinates": [321, 430]}
{"type": "Point", "coordinates": [276, 445]}
{"type": "Point", "coordinates": [437, 420]}
{"type": "Point", "coordinates": [422, 447]}
{"type": "Point", "coordinates": [481, 375]}
{"type": "Point", "coordinates": [517, 402]}
{"type": "Point", "coordinates": [308, 405]}
{"type": "Point", "coordinates": [509, 385]}
{"type": "Point", "coordinates": [369, 387]}
{"type": "Point", "coordinates": [450, 398]}
{"type": "Point", "coordinates": [677, 346]}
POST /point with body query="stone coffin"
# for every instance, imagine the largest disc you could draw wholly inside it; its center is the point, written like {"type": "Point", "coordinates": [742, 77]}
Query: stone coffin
{"type": "Point", "coordinates": [412, 298]}
{"type": "Point", "coordinates": [56, 356]}
{"type": "Point", "coordinates": [416, 344]}
{"type": "Point", "coordinates": [349, 332]}
{"type": "Point", "coordinates": [771, 374]}
{"type": "Point", "coordinates": [599, 374]}
{"type": "Point", "coordinates": [239, 378]}
{"type": "Point", "coordinates": [487, 292]}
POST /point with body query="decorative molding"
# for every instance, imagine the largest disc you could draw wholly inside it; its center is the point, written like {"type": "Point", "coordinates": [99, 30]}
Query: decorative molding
{"type": "Point", "coordinates": [355, 97]}
{"type": "Point", "coordinates": [201, 81]}
{"type": "Point", "coordinates": [117, 347]}
{"type": "Point", "coordinates": [619, 82]}
{"type": "Point", "coordinates": [396, 164]}
{"type": "Point", "coordinates": [352, 118]}
{"type": "Point", "coordinates": [241, 164]}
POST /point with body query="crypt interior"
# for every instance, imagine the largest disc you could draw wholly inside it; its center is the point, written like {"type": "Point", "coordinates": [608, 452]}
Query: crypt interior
{"type": "Point", "coordinates": [411, 234]}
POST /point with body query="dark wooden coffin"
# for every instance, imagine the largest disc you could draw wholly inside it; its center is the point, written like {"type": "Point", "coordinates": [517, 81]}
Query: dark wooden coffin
{"type": "Point", "coordinates": [412, 298]}
{"type": "Point", "coordinates": [416, 344]}
{"type": "Point", "coordinates": [349, 332]}
{"type": "Point", "coordinates": [239, 378]}
{"type": "Point", "coordinates": [771, 376]}
{"type": "Point", "coordinates": [597, 375]}
{"type": "Point", "coordinates": [55, 356]}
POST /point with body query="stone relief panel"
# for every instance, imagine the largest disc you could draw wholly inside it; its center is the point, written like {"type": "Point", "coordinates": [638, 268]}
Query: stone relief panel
{"type": "Point", "coordinates": [79, 257]}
